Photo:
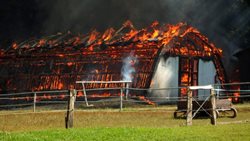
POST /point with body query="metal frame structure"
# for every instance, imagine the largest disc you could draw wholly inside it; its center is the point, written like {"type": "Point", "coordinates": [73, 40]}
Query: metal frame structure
{"type": "Point", "coordinates": [125, 84]}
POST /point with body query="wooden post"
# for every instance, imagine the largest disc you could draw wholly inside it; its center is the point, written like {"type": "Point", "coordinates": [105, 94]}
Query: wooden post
{"type": "Point", "coordinates": [34, 103]}
{"type": "Point", "coordinates": [127, 86]}
{"type": "Point", "coordinates": [121, 98]}
{"type": "Point", "coordinates": [70, 111]}
{"type": "Point", "coordinates": [189, 107]}
{"type": "Point", "coordinates": [213, 104]}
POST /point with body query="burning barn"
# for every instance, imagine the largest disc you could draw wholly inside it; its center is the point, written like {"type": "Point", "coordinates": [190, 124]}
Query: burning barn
{"type": "Point", "coordinates": [158, 56]}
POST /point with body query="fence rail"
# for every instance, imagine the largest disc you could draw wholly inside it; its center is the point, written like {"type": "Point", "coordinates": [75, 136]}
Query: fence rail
{"type": "Point", "coordinates": [41, 98]}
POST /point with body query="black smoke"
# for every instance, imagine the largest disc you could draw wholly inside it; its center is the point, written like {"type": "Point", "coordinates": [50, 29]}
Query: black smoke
{"type": "Point", "coordinates": [224, 22]}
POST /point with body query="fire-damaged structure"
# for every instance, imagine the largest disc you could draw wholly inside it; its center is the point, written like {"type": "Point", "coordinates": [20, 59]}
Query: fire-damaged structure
{"type": "Point", "coordinates": [160, 55]}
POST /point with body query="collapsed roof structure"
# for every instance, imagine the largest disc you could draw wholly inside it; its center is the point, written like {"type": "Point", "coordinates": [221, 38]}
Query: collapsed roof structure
{"type": "Point", "coordinates": [56, 62]}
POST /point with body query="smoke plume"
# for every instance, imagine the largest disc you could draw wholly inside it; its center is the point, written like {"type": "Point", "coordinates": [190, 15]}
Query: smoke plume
{"type": "Point", "coordinates": [224, 22]}
{"type": "Point", "coordinates": [128, 67]}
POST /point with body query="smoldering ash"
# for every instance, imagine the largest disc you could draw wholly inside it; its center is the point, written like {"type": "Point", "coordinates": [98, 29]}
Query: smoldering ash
{"type": "Point", "coordinates": [128, 67]}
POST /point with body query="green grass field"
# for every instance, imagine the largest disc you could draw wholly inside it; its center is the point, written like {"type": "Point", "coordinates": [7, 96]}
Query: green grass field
{"type": "Point", "coordinates": [237, 132]}
{"type": "Point", "coordinates": [131, 124]}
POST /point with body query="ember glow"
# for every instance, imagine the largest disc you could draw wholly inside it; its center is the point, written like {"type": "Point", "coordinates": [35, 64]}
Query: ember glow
{"type": "Point", "coordinates": [58, 61]}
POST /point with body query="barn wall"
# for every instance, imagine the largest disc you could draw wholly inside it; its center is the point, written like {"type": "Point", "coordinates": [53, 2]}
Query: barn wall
{"type": "Point", "coordinates": [206, 76]}
{"type": "Point", "coordinates": [166, 75]}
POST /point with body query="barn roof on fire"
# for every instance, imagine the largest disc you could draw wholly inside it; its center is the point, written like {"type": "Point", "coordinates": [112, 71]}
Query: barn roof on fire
{"type": "Point", "coordinates": [58, 61]}
{"type": "Point", "coordinates": [179, 39]}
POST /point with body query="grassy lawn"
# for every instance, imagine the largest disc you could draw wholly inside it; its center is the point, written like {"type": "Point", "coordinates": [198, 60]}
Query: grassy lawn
{"type": "Point", "coordinates": [237, 132]}
{"type": "Point", "coordinates": [131, 124]}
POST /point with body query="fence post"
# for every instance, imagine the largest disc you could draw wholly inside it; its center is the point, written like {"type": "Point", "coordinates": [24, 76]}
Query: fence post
{"type": "Point", "coordinates": [70, 110]}
{"type": "Point", "coordinates": [213, 111]}
{"type": "Point", "coordinates": [121, 98]}
{"type": "Point", "coordinates": [127, 86]}
{"type": "Point", "coordinates": [34, 103]}
{"type": "Point", "coordinates": [189, 107]}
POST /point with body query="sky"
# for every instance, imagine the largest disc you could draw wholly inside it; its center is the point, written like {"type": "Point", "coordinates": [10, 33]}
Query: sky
{"type": "Point", "coordinates": [224, 22]}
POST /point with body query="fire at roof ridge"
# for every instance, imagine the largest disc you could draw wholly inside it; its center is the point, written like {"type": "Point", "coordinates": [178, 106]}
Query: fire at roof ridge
{"type": "Point", "coordinates": [160, 35]}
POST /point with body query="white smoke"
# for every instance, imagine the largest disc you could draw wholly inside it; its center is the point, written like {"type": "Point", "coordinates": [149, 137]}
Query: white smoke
{"type": "Point", "coordinates": [165, 76]}
{"type": "Point", "coordinates": [128, 67]}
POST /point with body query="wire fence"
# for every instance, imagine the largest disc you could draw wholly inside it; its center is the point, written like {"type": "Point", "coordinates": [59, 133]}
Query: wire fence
{"type": "Point", "coordinates": [112, 97]}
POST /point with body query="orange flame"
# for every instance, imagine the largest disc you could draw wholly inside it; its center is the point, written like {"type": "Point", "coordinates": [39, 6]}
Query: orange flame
{"type": "Point", "coordinates": [155, 34]}
{"type": "Point", "coordinates": [236, 94]}
{"type": "Point", "coordinates": [14, 46]}
{"type": "Point", "coordinates": [79, 94]}
{"type": "Point", "coordinates": [100, 95]}
{"type": "Point", "coordinates": [70, 64]}
{"type": "Point", "coordinates": [143, 98]}
{"type": "Point", "coordinates": [108, 34]}
{"type": "Point", "coordinates": [60, 86]}
{"type": "Point", "coordinates": [93, 37]}
{"type": "Point", "coordinates": [184, 78]}
{"type": "Point", "coordinates": [41, 43]}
